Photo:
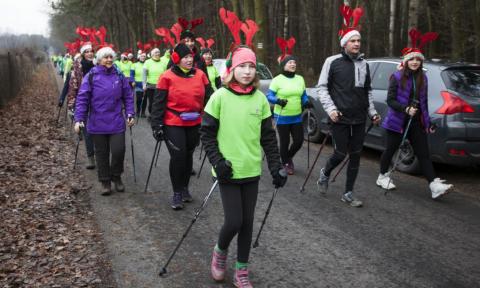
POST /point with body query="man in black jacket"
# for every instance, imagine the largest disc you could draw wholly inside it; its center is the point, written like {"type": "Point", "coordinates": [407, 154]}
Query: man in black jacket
{"type": "Point", "coordinates": [345, 93]}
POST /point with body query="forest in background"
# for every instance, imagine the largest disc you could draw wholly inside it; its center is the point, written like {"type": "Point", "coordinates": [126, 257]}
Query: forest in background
{"type": "Point", "coordinates": [314, 24]}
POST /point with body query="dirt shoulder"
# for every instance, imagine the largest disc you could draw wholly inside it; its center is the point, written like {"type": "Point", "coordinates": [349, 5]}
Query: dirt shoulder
{"type": "Point", "coordinates": [48, 234]}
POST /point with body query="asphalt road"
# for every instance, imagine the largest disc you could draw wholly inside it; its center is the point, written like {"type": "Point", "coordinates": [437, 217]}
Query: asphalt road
{"type": "Point", "coordinates": [404, 239]}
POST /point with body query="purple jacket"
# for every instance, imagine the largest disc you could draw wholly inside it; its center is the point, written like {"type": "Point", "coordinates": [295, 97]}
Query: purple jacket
{"type": "Point", "coordinates": [395, 120]}
{"type": "Point", "coordinates": [103, 103]}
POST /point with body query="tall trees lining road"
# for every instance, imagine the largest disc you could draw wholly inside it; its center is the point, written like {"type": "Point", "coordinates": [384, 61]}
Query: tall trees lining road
{"type": "Point", "coordinates": [314, 23]}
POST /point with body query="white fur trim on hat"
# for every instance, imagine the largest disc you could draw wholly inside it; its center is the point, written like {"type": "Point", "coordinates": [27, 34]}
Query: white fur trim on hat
{"type": "Point", "coordinates": [411, 55]}
{"type": "Point", "coordinates": [85, 47]}
{"type": "Point", "coordinates": [104, 52]}
{"type": "Point", "coordinates": [347, 37]}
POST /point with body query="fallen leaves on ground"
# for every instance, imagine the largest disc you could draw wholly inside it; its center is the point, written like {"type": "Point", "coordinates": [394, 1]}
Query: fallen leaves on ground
{"type": "Point", "coordinates": [48, 236]}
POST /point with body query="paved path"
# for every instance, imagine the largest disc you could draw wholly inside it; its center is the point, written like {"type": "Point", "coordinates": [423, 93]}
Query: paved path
{"type": "Point", "coordinates": [402, 240]}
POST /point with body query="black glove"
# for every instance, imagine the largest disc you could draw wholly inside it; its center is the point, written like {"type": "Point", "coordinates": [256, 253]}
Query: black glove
{"type": "Point", "coordinates": [223, 169]}
{"type": "Point", "coordinates": [282, 102]}
{"type": "Point", "coordinates": [279, 178]}
{"type": "Point", "coordinates": [307, 105]}
{"type": "Point", "coordinates": [158, 133]}
{"type": "Point", "coordinates": [60, 104]}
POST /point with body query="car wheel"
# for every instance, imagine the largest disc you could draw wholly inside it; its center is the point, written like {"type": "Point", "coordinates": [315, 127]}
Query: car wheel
{"type": "Point", "coordinates": [408, 162]}
{"type": "Point", "coordinates": [312, 126]}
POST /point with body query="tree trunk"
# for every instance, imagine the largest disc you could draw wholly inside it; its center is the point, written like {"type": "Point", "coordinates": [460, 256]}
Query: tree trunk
{"type": "Point", "coordinates": [285, 19]}
{"type": "Point", "coordinates": [263, 29]}
{"type": "Point", "coordinates": [476, 23]}
{"type": "Point", "coordinates": [413, 13]}
{"type": "Point", "coordinates": [391, 27]}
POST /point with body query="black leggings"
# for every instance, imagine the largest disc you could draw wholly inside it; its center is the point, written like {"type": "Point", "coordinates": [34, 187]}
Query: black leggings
{"type": "Point", "coordinates": [181, 142]}
{"type": "Point", "coordinates": [418, 139]}
{"type": "Point", "coordinates": [149, 95]}
{"type": "Point", "coordinates": [347, 139]}
{"type": "Point", "coordinates": [284, 132]}
{"type": "Point", "coordinates": [141, 102]}
{"type": "Point", "coordinates": [104, 145]}
{"type": "Point", "coordinates": [238, 202]}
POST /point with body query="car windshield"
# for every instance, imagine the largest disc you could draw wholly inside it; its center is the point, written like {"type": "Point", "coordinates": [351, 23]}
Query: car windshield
{"type": "Point", "coordinates": [262, 70]}
{"type": "Point", "coordinates": [465, 82]}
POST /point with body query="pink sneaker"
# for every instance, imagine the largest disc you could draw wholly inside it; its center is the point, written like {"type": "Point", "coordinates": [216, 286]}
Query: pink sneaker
{"type": "Point", "coordinates": [289, 167]}
{"type": "Point", "coordinates": [241, 278]}
{"type": "Point", "coordinates": [217, 267]}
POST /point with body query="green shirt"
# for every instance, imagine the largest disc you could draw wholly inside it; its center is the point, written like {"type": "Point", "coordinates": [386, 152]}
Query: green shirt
{"type": "Point", "coordinates": [138, 70]}
{"type": "Point", "coordinates": [290, 89]}
{"type": "Point", "coordinates": [125, 68]}
{"type": "Point", "coordinates": [68, 65]}
{"type": "Point", "coordinates": [239, 132]}
{"type": "Point", "coordinates": [212, 75]}
{"type": "Point", "coordinates": [154, 70]}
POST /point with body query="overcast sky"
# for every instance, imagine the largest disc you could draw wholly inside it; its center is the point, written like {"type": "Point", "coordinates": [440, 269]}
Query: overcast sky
{"type": "Point", "coordinates": [24, 17]}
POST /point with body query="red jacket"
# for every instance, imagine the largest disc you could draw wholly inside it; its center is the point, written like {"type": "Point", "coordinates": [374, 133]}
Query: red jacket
{"type": "Point", "coordinates": [179, 92]}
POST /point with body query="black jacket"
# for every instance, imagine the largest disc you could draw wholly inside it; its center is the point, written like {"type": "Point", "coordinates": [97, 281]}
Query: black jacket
{"type": "Point", "coordinates": [345, 85]}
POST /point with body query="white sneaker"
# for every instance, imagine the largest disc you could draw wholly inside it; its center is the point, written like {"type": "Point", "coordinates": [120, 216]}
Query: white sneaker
{"type": "Point", "coordinates": [438, 188]}
{"type": "Point", "coordinates": [385, 181]}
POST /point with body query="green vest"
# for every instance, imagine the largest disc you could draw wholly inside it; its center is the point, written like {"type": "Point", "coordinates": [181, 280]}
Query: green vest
{"type": "Point", "coordinates": [239, 132]}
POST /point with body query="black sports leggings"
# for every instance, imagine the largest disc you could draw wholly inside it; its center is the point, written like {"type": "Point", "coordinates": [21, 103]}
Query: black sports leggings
{"type": "Point", "coordinates": [418, 139]}
{"type": "Point", "coordinates": [181, 142]}
{"type": "Point", "coordinates": [141, 101]}
{"type": "Point", "coordinates": [149, 95]}
{"type": "Point", "coordinates": [347, 139]}
{"type": "Point", "coordinates": [238, 202]}
{"type": "Point", "coordinates": [284, 132]}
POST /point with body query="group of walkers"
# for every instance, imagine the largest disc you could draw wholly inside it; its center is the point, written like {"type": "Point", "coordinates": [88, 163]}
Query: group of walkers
{"type": "Point", "coordinates": [187, 102]}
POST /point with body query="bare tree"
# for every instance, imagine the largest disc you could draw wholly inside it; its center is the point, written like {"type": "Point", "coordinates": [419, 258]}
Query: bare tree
{"type": "Point", "coordinates": [391, 27]}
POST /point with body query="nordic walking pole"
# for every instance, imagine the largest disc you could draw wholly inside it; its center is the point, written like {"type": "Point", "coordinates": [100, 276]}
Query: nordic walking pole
{"type": "Point", "coordinates": [156, 160]}
{"type": "Point", "coordinates": [397, 158]}
{"type": "Point", "coordinates": [308, 138]}
{"type": "Point", "coordinates": [76, 148]}
{"type": "Point", "coordinates": [158, 145]}
{"type": "Point", "coordinates": [58, 114]}
{"type": "Point", "coordinates": [302, 189]}
{"type": "Point", "coordinates": [201, 149]}
{"type": "Point", "coordinates": [204, 203]}
{"type": "Point", "coordinates": [141, 107]}
{"type": "Point", "coordinates": [133, 156]}
{"type": "Point", "coordinates": [255, 244]}
{"type": "Point", "coordinates": [274, 128]}
{"type": "Point", "coordinates": [201, 166]}
{"type": "Point", "coordinates": [348, 159]}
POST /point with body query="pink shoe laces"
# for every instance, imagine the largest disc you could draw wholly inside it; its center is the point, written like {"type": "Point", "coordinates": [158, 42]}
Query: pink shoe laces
{"type": "Point", "coordinates": [241, 277]}
{"type": "Point", "coordinates": [219, 260]}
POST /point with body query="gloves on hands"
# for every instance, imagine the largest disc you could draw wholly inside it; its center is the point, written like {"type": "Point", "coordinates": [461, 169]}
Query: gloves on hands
{"type": "Point", "coordinates": [223, 169]}
{"type": "Point", "coordinates": [282, 102]}
{"type": "Point", "coordinates": [158, 133]}
{"type": "Point", "coordinates": [279, 178]}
